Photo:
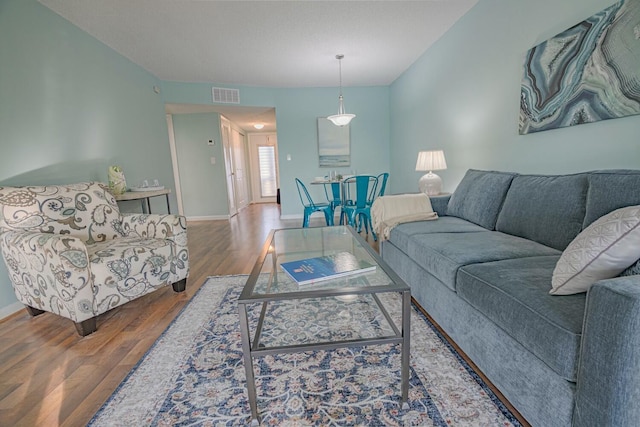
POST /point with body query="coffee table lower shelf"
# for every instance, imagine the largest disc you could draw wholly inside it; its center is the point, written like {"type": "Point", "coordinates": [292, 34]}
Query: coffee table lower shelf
{"type": "Point", "coordinates": [254, 348]}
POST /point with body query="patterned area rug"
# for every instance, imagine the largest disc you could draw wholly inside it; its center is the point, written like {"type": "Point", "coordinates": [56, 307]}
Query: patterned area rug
{"type": "Point", "coordinates": [194, 374]}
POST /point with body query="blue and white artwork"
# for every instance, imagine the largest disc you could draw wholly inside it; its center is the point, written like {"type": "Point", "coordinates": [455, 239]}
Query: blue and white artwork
{"type": "Point", "coordinates": [334, 148]}
{"type": "Point", "coordinates": [587, 73]}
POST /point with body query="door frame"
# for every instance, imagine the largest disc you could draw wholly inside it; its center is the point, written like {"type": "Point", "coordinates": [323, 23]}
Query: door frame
{"type": "Point", "coordinates": [227, 152]}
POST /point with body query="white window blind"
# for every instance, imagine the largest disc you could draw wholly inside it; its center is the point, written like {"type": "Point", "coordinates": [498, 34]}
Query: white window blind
{"type": "Point", "coordinates": [267, 165]}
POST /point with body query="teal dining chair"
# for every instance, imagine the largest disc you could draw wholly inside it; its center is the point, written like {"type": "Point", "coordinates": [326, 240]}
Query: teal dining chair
{"type": "Point", "coordinates": [359, 209]}
{"type": "Point", "coordinates": [334, 198]}
{"type": "Point", "coordinates": [382, 185]}
{"type": "Point", "coordinates": [310, 206]}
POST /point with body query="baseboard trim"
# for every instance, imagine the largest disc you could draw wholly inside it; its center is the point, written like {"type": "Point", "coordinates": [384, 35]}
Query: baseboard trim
{"type": "Point", "coordinates": [290, 216]}
{"type": "Point", "coordinates": [10, 309]}
{"type": "Point", "coordinates": [336, 218]}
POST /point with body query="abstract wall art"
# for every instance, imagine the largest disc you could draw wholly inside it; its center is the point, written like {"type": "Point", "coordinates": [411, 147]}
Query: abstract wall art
{"type": "Point", "coordinates": [587, 73]}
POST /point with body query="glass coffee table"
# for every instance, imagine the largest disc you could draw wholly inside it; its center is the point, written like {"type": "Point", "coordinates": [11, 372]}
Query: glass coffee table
{"type": "Point", "coordinates": [272, 304]}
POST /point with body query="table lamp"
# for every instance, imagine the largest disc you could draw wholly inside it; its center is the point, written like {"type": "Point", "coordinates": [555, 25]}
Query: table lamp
{"type": "Point", "coordinates": [430, 183]}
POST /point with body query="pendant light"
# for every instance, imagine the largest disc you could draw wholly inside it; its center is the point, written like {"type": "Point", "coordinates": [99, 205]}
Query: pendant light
{"type": "Point", "coordinates": [342, 118]}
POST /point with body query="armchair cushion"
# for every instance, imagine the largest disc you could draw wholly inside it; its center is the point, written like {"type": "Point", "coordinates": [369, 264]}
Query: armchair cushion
{"type": "Point", "coordinates": [86, 210]}
{"type": "Point", "coordinates": [127, 268]}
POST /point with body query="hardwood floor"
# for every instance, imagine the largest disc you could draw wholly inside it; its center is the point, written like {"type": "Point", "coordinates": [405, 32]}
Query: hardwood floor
{"type": "Point", "coordinates": [50, 376]}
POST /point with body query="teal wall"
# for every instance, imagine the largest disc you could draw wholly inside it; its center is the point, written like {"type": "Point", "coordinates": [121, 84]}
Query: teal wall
{"type": "Point", "coordinates": [70, 107]}
{"type": "Point", "coordinates": [463, 96]}
{"type": "Point", "coordinates": [202, 194]}
{"type": "Point", "coordinates": [297, 111]}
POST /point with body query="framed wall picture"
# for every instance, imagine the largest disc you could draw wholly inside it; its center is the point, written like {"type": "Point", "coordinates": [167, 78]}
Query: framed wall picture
{"type": "Point", "coordinates": [334, 144]}
{"type": "Point", "coordinates": [585, 74]}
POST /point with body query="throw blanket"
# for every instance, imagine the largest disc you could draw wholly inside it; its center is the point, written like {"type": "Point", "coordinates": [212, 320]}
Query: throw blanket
{"type": "Point", "coordinates": [389, 211]}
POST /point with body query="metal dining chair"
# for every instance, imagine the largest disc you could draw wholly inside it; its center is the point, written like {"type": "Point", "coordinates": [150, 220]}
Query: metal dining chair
{"type": "Point", "coordinates": [310, 206]}
{"type": "Point", "coordinates": [333, 191]}
{"type": "Point", "coordinates": [378, 191]}
{"type": "Point", "coordinates": [334, 199]}
{"type": "Point", "coordinates": [359, 209]}
{"type": "Point", "coordinates": [382, 185]}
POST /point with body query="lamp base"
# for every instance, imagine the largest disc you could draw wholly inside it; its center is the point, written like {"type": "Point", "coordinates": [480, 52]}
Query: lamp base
{"type": "Point", "coordinates": [430, 184]}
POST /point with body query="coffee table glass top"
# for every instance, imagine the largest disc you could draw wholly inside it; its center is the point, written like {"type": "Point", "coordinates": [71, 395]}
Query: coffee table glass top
{"type": "Point", "coordinates": [269, 282]}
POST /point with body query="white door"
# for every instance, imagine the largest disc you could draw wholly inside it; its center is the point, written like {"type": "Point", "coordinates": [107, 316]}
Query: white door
{"type": "Point", "coordinates": [228, 164]}
{"type": "Point", "coordinates": [263, 149]}
{"type": "Point", "coordinates": [239, 173]}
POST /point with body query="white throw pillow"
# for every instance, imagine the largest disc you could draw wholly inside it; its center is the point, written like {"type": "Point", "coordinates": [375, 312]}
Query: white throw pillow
{"type": "Point", "coordinates": [601, 251]}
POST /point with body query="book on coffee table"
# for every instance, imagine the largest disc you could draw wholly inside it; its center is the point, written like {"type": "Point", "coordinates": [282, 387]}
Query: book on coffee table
{"type": "Point", "coordinates": [312, 270]}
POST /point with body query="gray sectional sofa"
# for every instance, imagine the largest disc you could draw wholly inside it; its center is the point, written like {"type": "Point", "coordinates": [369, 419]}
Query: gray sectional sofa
{"type": "Point", "coordinates": [483, 272]}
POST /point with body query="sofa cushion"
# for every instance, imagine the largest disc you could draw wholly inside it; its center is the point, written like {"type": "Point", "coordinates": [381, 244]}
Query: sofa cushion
{"type": "Point", "coordinates": [442, 254]}
{"type": "Point", "coordinates": [401, 234]}
{"type": "Point", "coordinates": [479, 197]}
{"type": "Point", "coordinates": [514, 294]}
{"type": "Point", "coordinates": [602, 251]}
{"type": "Point", "coordinates": [547, 209]}
{"type": "Point", "coordinates": [610, 190]}
{"type": "Point", "coordinates": [633, 270]}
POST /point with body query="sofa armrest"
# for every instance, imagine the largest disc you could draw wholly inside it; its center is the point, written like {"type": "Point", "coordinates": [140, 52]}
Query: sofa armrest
{"type": "Point", "coordinates": [609, 371]}
{"type": "Point", "coordinates": [440, 203]}
{"type": "Point", "coordinates": [50, 272]}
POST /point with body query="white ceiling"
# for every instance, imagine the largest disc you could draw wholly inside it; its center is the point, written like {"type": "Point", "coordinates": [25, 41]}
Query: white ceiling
{"type": "Point", "coordinates": [267, 43]}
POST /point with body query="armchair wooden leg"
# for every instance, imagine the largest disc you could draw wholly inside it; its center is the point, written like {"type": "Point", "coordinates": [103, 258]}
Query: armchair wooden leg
{"type": "Point", "coordinates": [180, 286]}
{"type": "Point", "coordinates": [33, 311]}
{"type": "Point", "coordinates": [86, 327]}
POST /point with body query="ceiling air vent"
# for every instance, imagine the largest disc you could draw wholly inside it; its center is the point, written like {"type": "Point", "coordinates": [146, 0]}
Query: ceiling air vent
{"type": "Point", "coordinates": [226, 96]}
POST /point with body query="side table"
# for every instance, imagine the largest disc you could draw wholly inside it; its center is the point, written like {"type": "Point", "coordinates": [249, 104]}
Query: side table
{"type": "Point", "coordinates": [144, 197]}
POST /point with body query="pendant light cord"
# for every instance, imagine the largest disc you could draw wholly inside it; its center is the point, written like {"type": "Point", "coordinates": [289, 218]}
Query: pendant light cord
{"type": "Point", "coordinates": [339, 58]}
{"type": "Point", "coordinates": [340, 67]}
{"type": "Point", "coordinates": [342, 118]}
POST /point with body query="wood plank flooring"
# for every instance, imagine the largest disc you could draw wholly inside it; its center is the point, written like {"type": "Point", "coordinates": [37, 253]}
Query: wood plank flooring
{"type": "Point", "coordinates": [50, 376]}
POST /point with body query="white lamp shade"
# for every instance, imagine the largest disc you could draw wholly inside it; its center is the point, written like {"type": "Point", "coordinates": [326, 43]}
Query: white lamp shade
{"type": "Point", "coordinates": [430, 183]}
{"type": "Point", "coordinates": [431, 161]}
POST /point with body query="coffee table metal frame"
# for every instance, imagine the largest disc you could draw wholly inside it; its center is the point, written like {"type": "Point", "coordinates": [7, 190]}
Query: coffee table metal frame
{"type": "Point", "coordinates": [253, 348]}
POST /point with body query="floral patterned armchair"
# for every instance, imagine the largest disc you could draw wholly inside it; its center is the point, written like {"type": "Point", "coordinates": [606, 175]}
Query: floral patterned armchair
{"type": "Point", "coordinates": [70, 251]}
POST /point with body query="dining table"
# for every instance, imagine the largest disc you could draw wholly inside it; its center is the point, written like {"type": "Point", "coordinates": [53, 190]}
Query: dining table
{"type": "Point", "coordinates": [332, 182]}
{"type": "Point", "coordinates": [343, 190]}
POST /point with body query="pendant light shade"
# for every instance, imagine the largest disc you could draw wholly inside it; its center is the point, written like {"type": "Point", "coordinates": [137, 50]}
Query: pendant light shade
{"type": "Point", "coordinates": [342, 118]}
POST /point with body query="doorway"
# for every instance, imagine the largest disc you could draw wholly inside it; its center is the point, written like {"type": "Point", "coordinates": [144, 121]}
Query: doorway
{"type": "Point", "coordinates": [207, 188]}
{"type": "Point", "coordinates": [233, 143]}
{"type": "Point", "coordinates": [263, 156]}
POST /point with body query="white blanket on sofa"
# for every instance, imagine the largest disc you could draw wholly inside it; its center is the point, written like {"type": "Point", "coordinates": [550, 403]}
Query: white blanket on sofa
{"type": "Point", "coordinates": [389, 211]}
